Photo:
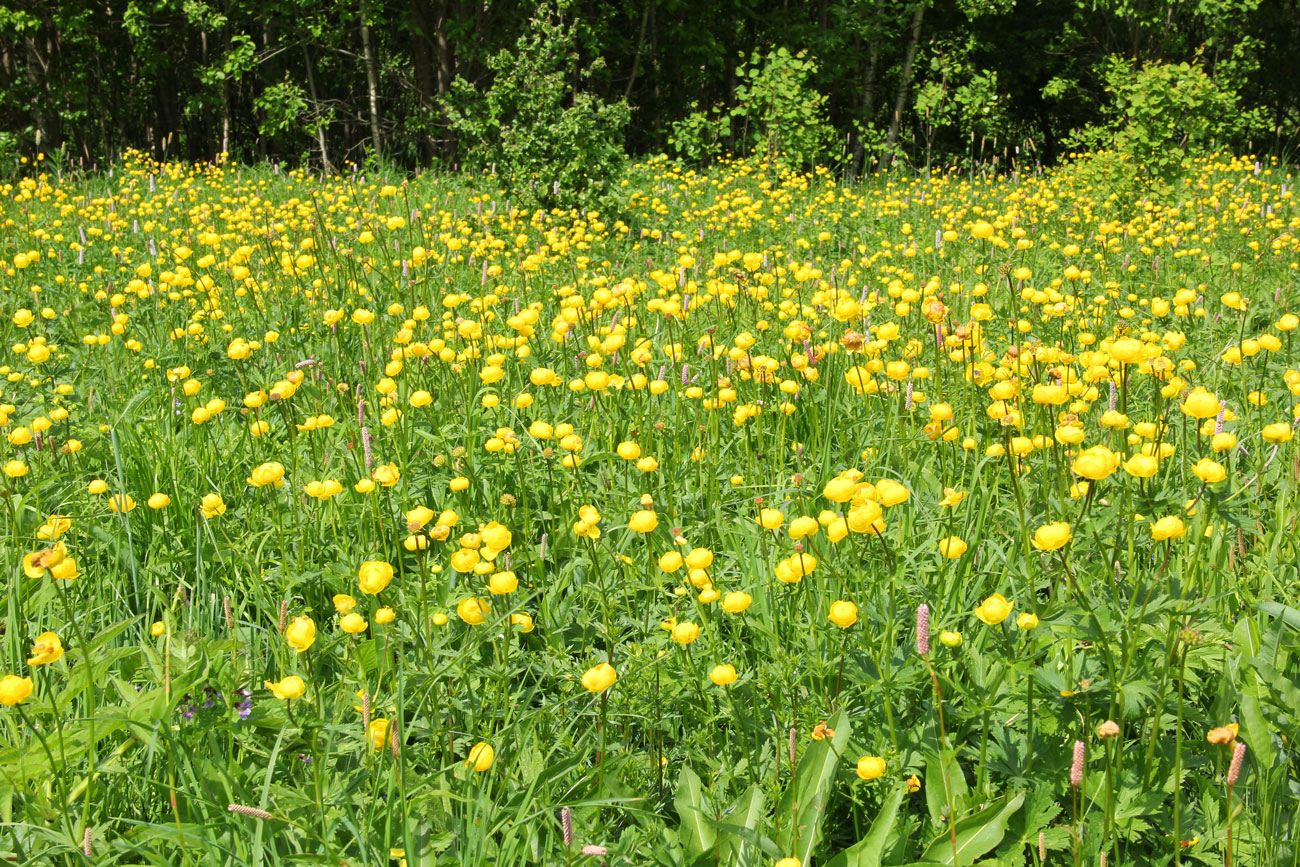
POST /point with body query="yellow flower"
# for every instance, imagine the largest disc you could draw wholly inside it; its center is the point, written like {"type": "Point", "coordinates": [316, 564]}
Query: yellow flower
{"type": "Point", "coordinates": [599, 678]}
{"type": "Point", "coordinates": [949, 638]}
{"type": "Point", "coordinates": [643, 521]}
{"type": "Point", "coordinates": [386, 474]}
{"type": "Point", "coordinates": [994, 610]}
{"type": "Point", "coordinates": [54, 527]}
{"type": "Point", "coordinates": [770, 519]}
{"type": "Point", "coordinates": [473, 610]}
{"type": "Point", "coordinates": [374, 576]}
{"type": "Point", "coordinates": [343, 603]}
{"type": "Point", "coordinates": [891, 493]}
{"type": "Point", "coordinates": [802, 527]}
{"type": "Point", "coordinates": [353, 623]}
{"type": "Point", "coordinates": [496, 537]}
{"type": "Point", "coordinates": [212, 505]}
{"type": "Point", "coordinates": [736, 602]}
{"type": "Point", "coordinates": [685, 633]}
{"type": "Point", "coordinates": [721, 675]}
{"type": "Point", "coordinates": [871, 767]}
{"type": "Point", "coordinates": [1221, 735]}
{"type": "Point", "coordinates": [1027, 621]}
{"type": "Point", "coordinates": [14, 690]}
{"type": "Point", "coordinates": [952, 497]}
{"type": "Point", "coordinates": [522, 621]}
{"type": "Point", "coordinates": [913, 784]}
{"type": "Point", "coordinates": [840, 490]}
{"type": "Point", "coordinates": [385, 616]}
{"type": "Point", "coordinates": [1096, 463]}
{"type": "Point", "coordinates": [270, 473]}
{"type": "Point", "coordinates": [121, 503]}
{"type": "Point", "coordinates": [481, 756]}
{"type": "Point", "coordinates": [288, 689]}
{"type": "Point", "coordinates": [843, 614]}
{"type": "Point", "coordinates": [1280, 432]}
{"type": "Point", "coordinates": [1142, 466]}
{"type": "Point", "coordinates": [1200, 404]}
{"type": "Point", "coordinates": [159, 501]}
{"type": "Point", "coordinates": [301, 633]}
{"type": "Point", "coordinates": [66, 570]}
{"type": "Point", "coordinates": [1209, 471]}
{"type": "Point", "coordinates": [378, 733]}
{"type": "Point", "coordinates": [1051, 537]}
{"type": "Point", "coordinates": [501, 583]}
{"type": "Point", "coordinates": [952, 547]}
{"type": "Point", "coordinates": [47, 649]}
{"type": "Point", "coordinates": [157, 628]}
{"type": "Point", "coordinates": [1169, 527]}
{"type": "Point", "coordinates": [36, 563]}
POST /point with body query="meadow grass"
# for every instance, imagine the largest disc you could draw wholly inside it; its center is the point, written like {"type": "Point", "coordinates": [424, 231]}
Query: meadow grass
{"type": "Point", "coordinates": [946, 519]}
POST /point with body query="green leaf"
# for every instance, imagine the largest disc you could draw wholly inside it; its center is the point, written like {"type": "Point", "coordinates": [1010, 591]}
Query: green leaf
{"type": "Point", "coordinates": [742, 816]}
{"type": "Point", "coordinates": [805, 798]}
{"type": "Point", "coordinates": [936, 798]}
{"type": "Point", "coordinates": [867, 852]}
{"type": "Point", "coordinates": [976, 834]}
{"type": "Point", "coordinates": [697, 833]}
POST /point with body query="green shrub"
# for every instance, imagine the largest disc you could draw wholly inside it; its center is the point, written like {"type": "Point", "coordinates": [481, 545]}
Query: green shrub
{"type": "Point", "coordinates": [552, 142]}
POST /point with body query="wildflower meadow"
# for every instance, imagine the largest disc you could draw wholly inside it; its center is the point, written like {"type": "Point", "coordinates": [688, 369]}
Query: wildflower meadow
{"type": "Point", "coordinates": [762, 518]}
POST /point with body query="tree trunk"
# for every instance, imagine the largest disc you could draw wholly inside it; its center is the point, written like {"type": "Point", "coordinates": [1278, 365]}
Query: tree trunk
{"type": "Point", "coordinates": [905, 76]}
{"type": "Point", "coordinates": [868, 109]}
{"type": "Point", "coordinates": [640, 46]}
{"type": "Point", "coordinates": [317, 115]}
{"type": "Point", "coordinates": [372, 81]}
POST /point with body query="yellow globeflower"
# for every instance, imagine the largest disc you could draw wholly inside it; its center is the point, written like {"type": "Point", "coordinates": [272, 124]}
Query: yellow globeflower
{"type": "Point", "coordinates": [1050, 537]}
{"type": "Point", "coordinates": [736, 602]}
{"type": "Point", "coordinates": [643, 521]}
{"type": "Point", "coordinates": [353, 623]}
{"type": "Point", "coordinates": [871, 767]}
{"type": "Point", "coordinates": [994, 610]}
{"type": "Point", "coordinates": [287, 689]}
{"type": "Point", "coordinates": [14, 690]}
{"type": "Point", "coordinates": [685, 633]}
{"type": "Point", "coordinates": [1280, 432]}
{"type": "Point", "coordinates": [843, 614]}
{"type": "Point", "coordinates": [1200, 404]}
{"type": "Point", "coordinates": [481, 756]}
{"type": "Point", "coordinates": [802, 527]}
{"type": "Point", "coordinates": [721, 675]}
{"type": "Point", "coordinates": [301, 633]}
{"type": "Point", "coordinates": [952, 547]}
{"type": "Point", "coordinates": [270, 473]}
{"type": "Point", "coordinates": [48, 648]}
{"type": "Point", "coordinates": [1209, 471]}
{"type": "Point", "coordinates": [599, 678]}
{"type": "Point", "coordinates": [374, 576]}
{"type": "Point", "coordinates": [1142, 466]}
{"type": "Point", "coordinates": [473, 610]}
{"type": "Point", "coordinates": [1169, 527]}
{"type": "Point", "coordinates": [212, 505]}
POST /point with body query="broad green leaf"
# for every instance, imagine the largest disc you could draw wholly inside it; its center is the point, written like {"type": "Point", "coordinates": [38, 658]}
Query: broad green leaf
{"type": "Point", "coordinates": [976, 834]}
{"type": "Point", "coordinates": [697, 833]}
{"type": "Point", "coordinates": [868, 851]}
{"type": "Point", "coordinates": [803, 803]}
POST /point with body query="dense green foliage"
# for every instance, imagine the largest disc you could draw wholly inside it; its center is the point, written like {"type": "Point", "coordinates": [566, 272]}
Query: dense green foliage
{"type": "Point", "coordinates": [855, 81]}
